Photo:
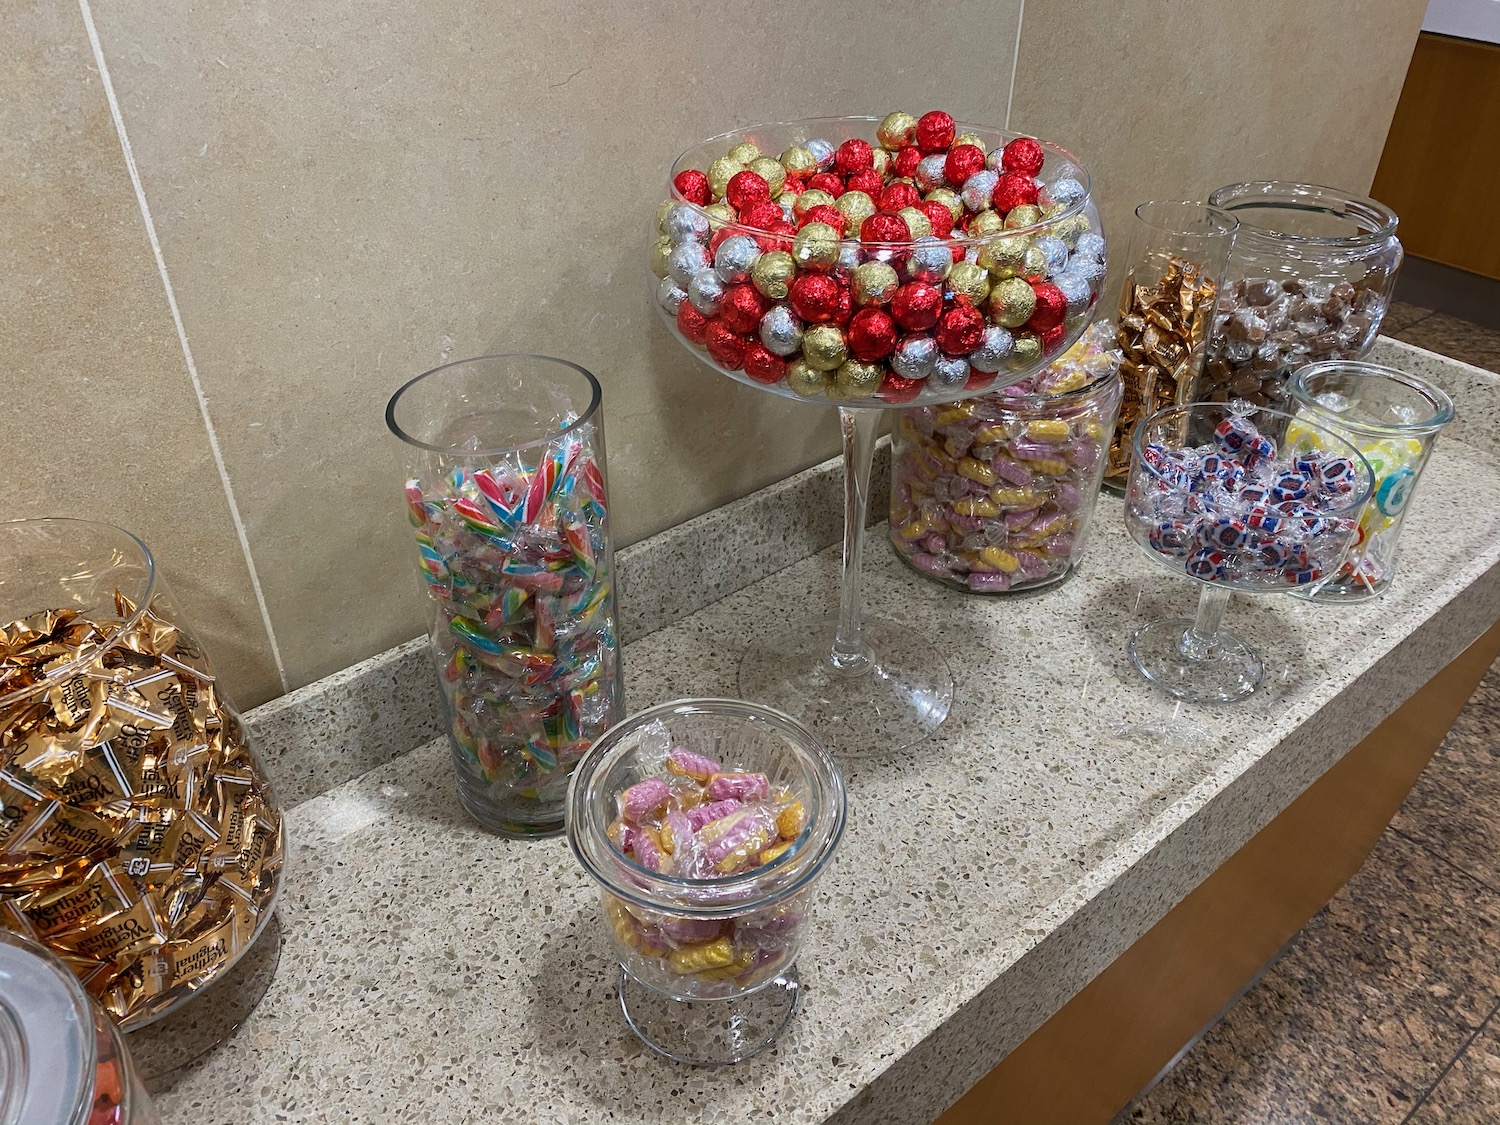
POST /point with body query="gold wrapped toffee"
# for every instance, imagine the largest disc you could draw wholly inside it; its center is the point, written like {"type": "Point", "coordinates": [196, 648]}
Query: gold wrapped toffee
{"type": "Point", "coordinates": [139, 838]}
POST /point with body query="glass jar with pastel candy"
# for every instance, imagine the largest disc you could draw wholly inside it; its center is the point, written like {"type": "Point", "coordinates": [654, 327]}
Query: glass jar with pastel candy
{"type": "Point", "coordinates": [1394, 418]}
{"type": "Point", "coordinates": [1213, 496]}
{"type": "Point", "coordinates": [505, 488]}
{"type": "Point", "coordinates": [706, 823]}
{"type": "Point", "coordinates": [996, 493]}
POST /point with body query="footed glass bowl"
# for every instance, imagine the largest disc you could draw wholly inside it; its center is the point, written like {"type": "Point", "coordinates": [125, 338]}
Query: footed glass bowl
{"type": "Point", "coordinates": [807, 306]}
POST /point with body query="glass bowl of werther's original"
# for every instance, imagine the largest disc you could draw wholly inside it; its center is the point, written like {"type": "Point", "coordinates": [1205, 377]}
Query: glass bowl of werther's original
{"type": "Point", "coordinates": [141, 840]}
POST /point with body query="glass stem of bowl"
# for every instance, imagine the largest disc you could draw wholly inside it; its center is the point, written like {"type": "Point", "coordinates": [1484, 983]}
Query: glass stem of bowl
{"type": "Point", "coordinates": [1201, 639]}
{"type": "Point", "coordinates": [859, 428]}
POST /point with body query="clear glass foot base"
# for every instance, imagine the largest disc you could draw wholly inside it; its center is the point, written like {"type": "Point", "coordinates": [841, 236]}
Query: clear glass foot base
{"type": "Point", "coordinates": [897, 695]}
{"type": "Point", "coordinates": [711, 1032]}
{"type": "Point", "coordinates": [164, 1049]}
{"type": "Point", "coordinates": [1231, 669]}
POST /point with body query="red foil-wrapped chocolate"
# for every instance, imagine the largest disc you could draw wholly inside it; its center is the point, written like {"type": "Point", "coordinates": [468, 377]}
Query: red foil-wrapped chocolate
{"type": "Point", "coordinates": [872, 335]}
{"type": "Point", "coordinates": [960, 329]}
{"type": "Point", "coordinates": [692, 323]}
{"type": "Point", "coordinates": [897, 195]}
{"type": "Point", "coordinates": [746, 188]}
{"type": "Point", "coordinates": [1023, 155]}
{"type": "Point", "coordinates": [814, 297]}
{"type": "Point", "coordinates": [917, 305]}
{"type": "Point", "coordinates": [742, 307]}
{"type": "Point", "coordinates": [852, 156]}
{"type": "Point", "coordinates": [1012, 190]}
{"type": "Point", "coordinates": [1051, 308]}
{"type": "Point", "coordinates": [905, 162]}
{"type": "Point", "coordinates": [727, 348]}
{"type": "Point", "coordinates": [884, 226]}
{"type": "Point", "coordinates": [934, 131]}
{"type": "Point", "coordinates": [762, 364]}
{"type": "Point", "coordinates": [692, 185]}
{"type": "Point", "coordinates": [963, 161]}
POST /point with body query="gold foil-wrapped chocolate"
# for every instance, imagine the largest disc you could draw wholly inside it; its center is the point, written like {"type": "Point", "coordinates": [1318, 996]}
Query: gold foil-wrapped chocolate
{"type": "Point", "coordinates": [1163, 332]}
{"type": "Point", "coordinates": [139, 838]}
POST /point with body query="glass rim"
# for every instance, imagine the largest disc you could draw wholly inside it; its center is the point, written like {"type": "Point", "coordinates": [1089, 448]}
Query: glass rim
{"type": "Point", "coordinates": [1356, 499]}
{"type": "Point", "coordinates": [798, 866]}
{"type": "Point", "coordinates": [1038, 228]}
{"type": "Point", "coordinates": [1299, 196]}
{"type": "Point", "coordinates": [595, 390]}
{"type": "Point", "coordinates": [1440, 400]}
{"type": "Point", "coordinates": [1227, 225]}
{"type": "Point", "coordinates": [87, 656]}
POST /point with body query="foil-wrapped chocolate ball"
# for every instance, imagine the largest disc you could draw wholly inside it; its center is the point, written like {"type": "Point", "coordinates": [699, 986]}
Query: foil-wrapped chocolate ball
{"type": "Point", "coordinates": [1011, 302]}
{"type": "Point", "coordinates": [969, 282]}
{"type": "Point", "coordinates": [815, 297]}
{"type": "Point", "coordinates": [1054, 252]}
{"type": "Point", "coordinates": [720, 172]}
{"type": "Point", "coordinates": [977, 190]}
{"type": "Point", "coordinates": [897, 130]}
{"type": "Point", "coordinates": [706, 292]}
{"type": "Point", "coordinates": [823, 347]}
{"type": "Point", "coordinates": [1034, 265]}
{"type": "Point", "coordinates": [1004, 255]}
{"type": "Point", "coordinates": [806, 380]}
{"type": "Point", "coordinates": [663, 209]}
{"type": "Point", "coordinates": [1076, 289]}
{"type": "Point", "coordinates": [1027, 351]}
{"type": "Point", "coordinates": [661, 251]}
{"type": "Point", "coordinates": [949, 372]}
{"type": "Point", "coordinates": [873, 283]}
{"type": "Point", "coordinates": [856, 379]}
{"type": "Point", "coordinates": [685, 222]}
{"type": "Point", "coordinates": [685, 261]}
{"type": "Point", "coordinates": [1027, 215]}
{"type": "Point", "coordinates": [781, 331]}
{"type": "Point", "coordinates": [743, 153]}
{"type": "Point", "coordinates": [692, 185]}
{"type": "Point", "coordinates": [872, 335]}
{"type": "Point", "coordinates": [880, 161]}
{"type": "Point", "coordinates": [935, 131]}
{"type": "Point", "coordinates": [772, 273]}
{"type": "Point", "coordinates": [734, 258]}
{"type": "Point", "coordinates": [1065, 190]}
{"type": "Point", "coordinates": [849, 256]}
{"type": "Point", "coordinates": [670, 295]}
{"type": "Point", "coordinates": [972, 139]}
{"type": "Point", "coordinates": [799, 161]}
{"type": "Point", "coordinates": [1089, 268]}
{"type": "Point", "coordinates": [930, 174]}
{"type": "Point", "coordinates": [856, 207]}
{"type": "Point", "coordinates": [959, 330]}
{"type": "Point", "coordinates": [914, 357]}
{"type": "Point", "coordinates": [822, 152]}
{"type": "Point", "coordinates": [917, 222]}
{"type": "Point", "coordinates": [929, 260]}
{"type": "Point", "coordinates": [986, 223]}
{"type": "Point", "coordinates": [917, 305]}
{"type": "Point", "coordinates": [816, 247]}
{"type": "Point", "coordinates": [993, 350]}
{"type": "Point", "coordinates": [1090, 245]}
{"type": "Point", "coordinates": [719, 214]}
{"type": "Point", "coordinates": [812, 197]}
{"type": "Point", "coordinates": [742, 308]}
{"type": "Point", "coordinates": [1024, 154]}
{"type": "Point", "coordinates": [771, 171]}
{"type": "Point", "coordinates": [949, 199]}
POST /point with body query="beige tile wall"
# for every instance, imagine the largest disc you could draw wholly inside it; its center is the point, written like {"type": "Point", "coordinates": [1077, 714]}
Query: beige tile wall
{"type": "Point", "coordinates": [347, 195]}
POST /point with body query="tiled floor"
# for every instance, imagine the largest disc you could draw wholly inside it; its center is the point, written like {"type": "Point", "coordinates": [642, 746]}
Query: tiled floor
{"type": "Point", "coordinates": [1386, 1008]}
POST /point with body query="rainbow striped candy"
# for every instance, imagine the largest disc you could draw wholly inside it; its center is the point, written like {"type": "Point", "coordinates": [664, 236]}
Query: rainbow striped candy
{"type": "Point", "coordinates": [472, 633]}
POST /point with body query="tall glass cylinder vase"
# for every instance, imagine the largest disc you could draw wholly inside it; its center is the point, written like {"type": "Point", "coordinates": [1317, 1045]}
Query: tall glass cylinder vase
{"type": "Point", "coordinates": [505, 487]}
{"type": "Point", "coordinates": [1177, 255]}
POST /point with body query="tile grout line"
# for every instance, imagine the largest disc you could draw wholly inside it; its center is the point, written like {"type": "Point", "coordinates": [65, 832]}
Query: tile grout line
{"type": "Point", "coordinates": [1015, 62]}
{"type": "Point", "coordinates": [187, 354]}
{"type": "Point", "coordinates": [1458, 1054]}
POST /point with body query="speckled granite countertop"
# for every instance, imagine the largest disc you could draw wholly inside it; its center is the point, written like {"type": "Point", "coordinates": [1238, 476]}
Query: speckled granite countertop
{"type": "Point", "coordinates": [433, 973]}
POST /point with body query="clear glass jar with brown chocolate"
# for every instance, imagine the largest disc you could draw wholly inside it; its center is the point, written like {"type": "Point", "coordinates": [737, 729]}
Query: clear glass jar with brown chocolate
{"type": "Point", "coordinates": [1309, 279]}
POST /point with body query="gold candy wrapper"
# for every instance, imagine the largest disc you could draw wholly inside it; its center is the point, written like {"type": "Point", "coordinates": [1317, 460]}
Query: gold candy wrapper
{"type": "Point", "coordinates": [139, 838]}
{"type": "Point", "coordinates": [1163, 331]}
